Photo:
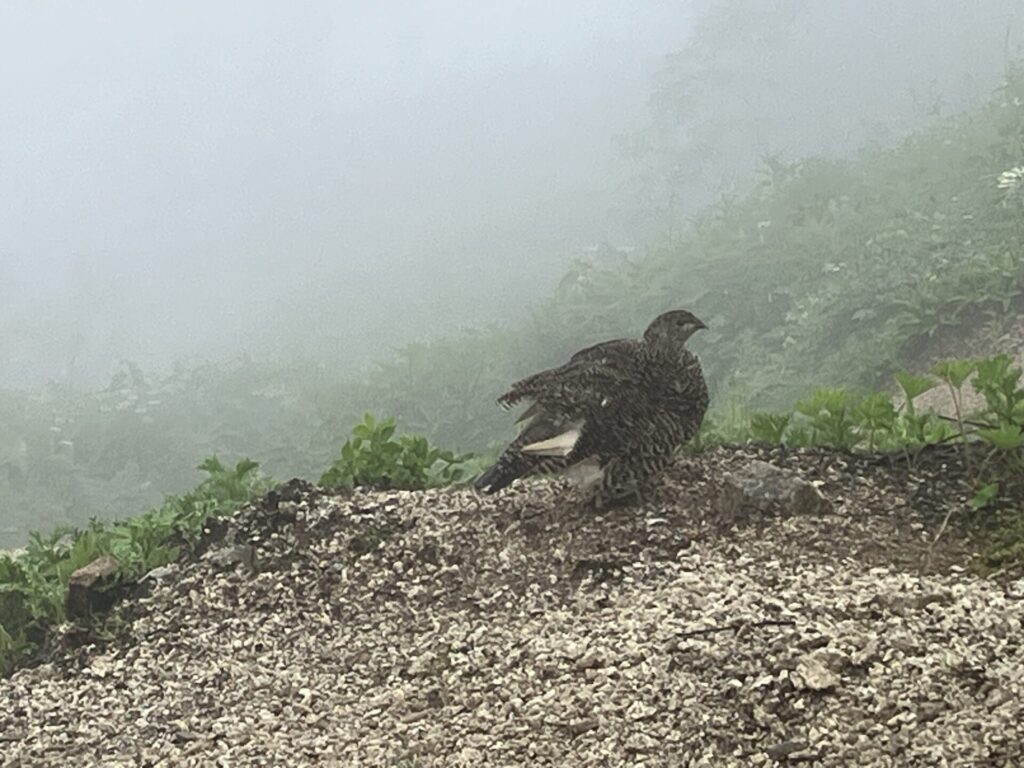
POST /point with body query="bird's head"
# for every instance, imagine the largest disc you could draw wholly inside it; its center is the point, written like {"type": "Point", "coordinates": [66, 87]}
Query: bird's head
{"type": "Point", "coordinates": [673, 327]}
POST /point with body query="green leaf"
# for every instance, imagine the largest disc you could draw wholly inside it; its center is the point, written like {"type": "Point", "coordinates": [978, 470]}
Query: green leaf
{"type": "Point", "coordinates": [985, 496]}
{"type": "Point", "coordinates": [913, 386]}
{"type": "Point", "coordinates": [799, 437]}
{"type": "Point", "coordinates": [1007, 437]}
{"type": "Point", "coordinates": [876, 410]}
{"type": "Point", "coordinates": [375, 457]}
{"type": "Point", "coordinates": [212, 465]}
{"type": "Point", "coordinates": [954, 372]}
{"type": "Point", "coordinates": [998, 371]}
{"type": "Point", "coordinates": [937, 431]}
{"type": "Point", "coordinates": [825, 400]}
{"type": "Point", "coordinates": [769, 427]}
{"type": "Point", "coordinates": [245, 467]}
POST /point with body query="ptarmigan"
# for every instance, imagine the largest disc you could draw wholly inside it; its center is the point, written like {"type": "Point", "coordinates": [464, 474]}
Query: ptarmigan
{"type": "Point", "coordinates": [612, 417]}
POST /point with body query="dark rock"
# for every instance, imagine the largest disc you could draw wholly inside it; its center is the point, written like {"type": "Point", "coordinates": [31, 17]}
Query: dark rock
{"type": "Point", "coordinates": [784, 749]}
{"type": "Point", "coordinates": [579, 727]}
{"type": "Point", "coordinates": [759, 487]}
{"type": "Point", "coordinates": [294, 490]}
{"type": "Point", "coordinates": [88, 588]}
{"type": "Point", "coordinates": [231, 555]}
{"type": "Point", "coordinates": [599, 570]}
{"type": "Point", "coordinates": [436, 698]}
{"type": "Point", "coordinates": [930, 710]}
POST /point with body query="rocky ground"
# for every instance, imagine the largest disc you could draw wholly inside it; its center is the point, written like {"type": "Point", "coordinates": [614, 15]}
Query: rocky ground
{"type": "Point", "coordinates": [718, 626]}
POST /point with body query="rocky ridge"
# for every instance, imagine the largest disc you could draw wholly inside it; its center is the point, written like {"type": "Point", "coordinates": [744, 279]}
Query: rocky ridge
{"type": "Point", "coordinates": [767, 608]}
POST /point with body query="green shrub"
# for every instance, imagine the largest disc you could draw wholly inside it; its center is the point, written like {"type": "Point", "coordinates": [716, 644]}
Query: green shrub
{"type": "Point", "coordinates": [373, 456]}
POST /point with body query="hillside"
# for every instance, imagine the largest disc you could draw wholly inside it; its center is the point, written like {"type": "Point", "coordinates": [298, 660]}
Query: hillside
{"type": "Point", "coordinates": [819, 272]}
{"type": "Point", "coordinates": [436, 628]}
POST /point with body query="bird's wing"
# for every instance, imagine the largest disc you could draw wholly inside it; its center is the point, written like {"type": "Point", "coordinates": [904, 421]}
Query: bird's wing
{"type": "Point", "coordinates": [566, 398]}
{"type": "Point", "coordinates": [589, 376]}
{"type": "Point", "coordinates": [650, 416]}
{"type": "Point", "coordinates": [614, 349]}
{"type": "Point", "coordinates": [582, 418]}
{"type": "Point", "coordinates": [615, 352]}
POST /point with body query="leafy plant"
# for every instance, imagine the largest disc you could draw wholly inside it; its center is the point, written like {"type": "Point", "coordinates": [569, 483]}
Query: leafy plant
{"type": "Point", "coordinates": [769, 427]}
{"type": "Point", "coordinates": [913, 427]}
{"type": "Point", "coordinates": [829, 417]}
{"type": "Point", "coordinates": [373, 456]}
{"type": "Point", "coordinates": [985, 495]}
{"type": "Point", "coordinates": [998, 382]}
{"type": "Point", "coordinates": [954, 373]}
{"type": "Point", "coordinates": [1005, 437]}
{"type": "Point", "coordinates": [875, 416]}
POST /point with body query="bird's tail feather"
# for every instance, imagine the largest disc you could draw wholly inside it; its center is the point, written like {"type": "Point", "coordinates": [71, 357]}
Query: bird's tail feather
{"type": "Point", "coordinates": [559, 445]}
{"type": "Point", "coordinates": [512, 465]}
{"type": "Point", "coordinates": [497, 477]}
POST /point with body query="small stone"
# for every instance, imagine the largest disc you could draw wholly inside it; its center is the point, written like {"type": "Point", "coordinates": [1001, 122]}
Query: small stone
{"type": "Point", "coordinates": [579, 727]}
{"type": "Point", "coordinates": [784, 749]}
{"type": "Point", "coordinates": [640, 711]}
{"type": "Point", "coordinates": [232, 555]}
{"type": "Point", "coordinates": [815, 674]}
{"type": "Point", "coordinates": [590, 661]}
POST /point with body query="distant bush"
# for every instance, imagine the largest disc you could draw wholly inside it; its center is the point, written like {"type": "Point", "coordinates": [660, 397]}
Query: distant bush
{"type": "Point", "coordinates": [374, 457]}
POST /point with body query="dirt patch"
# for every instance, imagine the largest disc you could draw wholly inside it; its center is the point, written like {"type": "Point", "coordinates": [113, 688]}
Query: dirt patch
{"type": "Point", "coordinates": [441, 629]}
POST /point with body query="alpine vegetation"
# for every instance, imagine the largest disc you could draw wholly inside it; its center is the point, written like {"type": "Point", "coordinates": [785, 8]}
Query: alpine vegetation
{"type": "Point", "coordinates": [612, 417]}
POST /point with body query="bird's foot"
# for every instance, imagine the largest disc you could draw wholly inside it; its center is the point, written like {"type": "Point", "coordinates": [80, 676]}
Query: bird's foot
{"type": "Point", "coordinates": [645, 494]}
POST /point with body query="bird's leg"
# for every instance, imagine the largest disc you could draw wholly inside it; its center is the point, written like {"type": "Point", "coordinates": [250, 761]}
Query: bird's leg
{"type": "Point", "coordinates": [645, 492]}
{"type": "Point", "coordinates": [581, 501]}
{"type": "Point", "coordinates": [642, 497]}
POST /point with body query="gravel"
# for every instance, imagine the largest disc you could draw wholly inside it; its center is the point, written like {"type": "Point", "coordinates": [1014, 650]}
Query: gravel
{"type": "Point", "coordinates": [440, 629]}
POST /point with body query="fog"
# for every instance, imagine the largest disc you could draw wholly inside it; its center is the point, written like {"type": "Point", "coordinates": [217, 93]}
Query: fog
{"type": "Point", "coordinates": [187, 179]}
{"type": "Point", "coordinates": [335, 179]}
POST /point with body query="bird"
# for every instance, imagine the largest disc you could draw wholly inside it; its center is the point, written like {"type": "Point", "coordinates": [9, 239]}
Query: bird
{"type": "Point", "coordinates": [610, 418]}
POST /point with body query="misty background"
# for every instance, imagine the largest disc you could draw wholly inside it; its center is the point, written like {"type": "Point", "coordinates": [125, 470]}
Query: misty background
{"type": "Point", "coordinates": [337, 179]}
{"type": "Point", "coordinates": [233, 230]}
{"type": "Point", "coordinates": [195, 180]}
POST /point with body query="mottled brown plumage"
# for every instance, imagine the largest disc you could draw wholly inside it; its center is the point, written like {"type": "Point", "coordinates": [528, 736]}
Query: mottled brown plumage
{"type": "Point", "coordinates": [612, 417]}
